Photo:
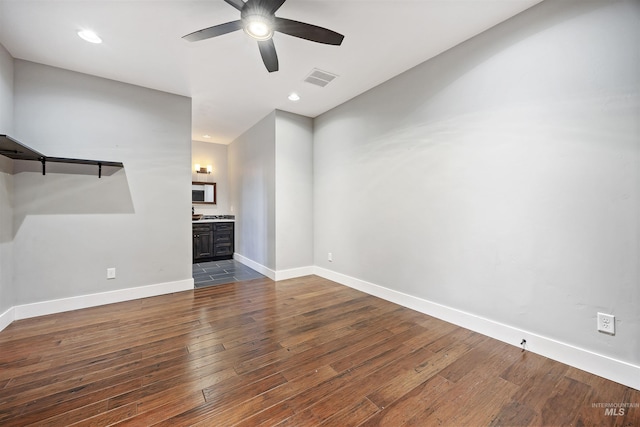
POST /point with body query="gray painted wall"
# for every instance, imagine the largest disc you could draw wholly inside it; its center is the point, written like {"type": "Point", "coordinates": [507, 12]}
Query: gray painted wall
{"type": "Point", "coordinates": [271, 187]}
{"type": "Point", "coordinates": [6, 183]}
{"type": "Point", "coordinates": [70, 226]}
{"type": "Point", "coordinates": [501, 178]}
{"type": "Point", "coordinates": [207, 153]}
{"type": "Point", "coordinates": [6, 92]}
{"type": "Point", "coordinates": [294, 191]}
{"type": "Point", "coordinates": [252, 192]}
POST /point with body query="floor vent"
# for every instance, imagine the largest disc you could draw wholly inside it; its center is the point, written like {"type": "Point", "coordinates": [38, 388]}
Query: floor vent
{"type": "Point", "coordinates": [319, 77]}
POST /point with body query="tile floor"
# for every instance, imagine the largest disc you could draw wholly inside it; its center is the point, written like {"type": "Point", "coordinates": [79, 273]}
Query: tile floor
{"type": "Point", "coordinates": [219, 272]}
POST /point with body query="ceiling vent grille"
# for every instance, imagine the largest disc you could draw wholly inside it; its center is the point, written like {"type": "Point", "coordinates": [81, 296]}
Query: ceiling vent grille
{"type": "Point", "coordinates": [320, 78]}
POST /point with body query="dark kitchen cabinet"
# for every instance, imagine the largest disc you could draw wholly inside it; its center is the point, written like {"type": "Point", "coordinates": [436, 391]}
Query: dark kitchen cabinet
{"type": "Point", "coordinates": [223, 239]}
{"type": "Point", "coordinates": [202, 242]}
{"type": "Point", "coordinates": [213, 241]}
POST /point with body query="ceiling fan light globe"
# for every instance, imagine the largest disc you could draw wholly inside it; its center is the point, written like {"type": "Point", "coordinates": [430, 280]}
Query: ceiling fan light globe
{"type": "Point", "coordinates": [258, 27]}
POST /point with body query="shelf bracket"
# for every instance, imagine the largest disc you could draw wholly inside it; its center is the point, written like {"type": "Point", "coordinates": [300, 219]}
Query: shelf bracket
{"type": "Point", "coordinates": [14, 150]}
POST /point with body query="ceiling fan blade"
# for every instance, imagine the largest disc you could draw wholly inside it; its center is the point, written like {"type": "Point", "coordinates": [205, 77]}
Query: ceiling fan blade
{"type": "Point", "coordinates": [308, 31]}
{"type": "Point", "coordinates": [238, 4]}
{"type": "Point", "coordinates": [269, 56]}
{"type": "Point", "coordinates": [216, 30]}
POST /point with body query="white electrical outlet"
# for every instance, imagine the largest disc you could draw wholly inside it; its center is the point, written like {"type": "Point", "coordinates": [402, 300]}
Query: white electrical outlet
{"type": "Point", "coordinates": [330, 256]}
{"type": "Point", "coordinates": [607, 323]}
{"type": "Point", "coordinates": [111, 273]}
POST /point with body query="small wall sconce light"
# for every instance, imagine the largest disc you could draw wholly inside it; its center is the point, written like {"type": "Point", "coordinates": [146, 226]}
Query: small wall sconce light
{"type": "Point", "coordinates": [199, 169]}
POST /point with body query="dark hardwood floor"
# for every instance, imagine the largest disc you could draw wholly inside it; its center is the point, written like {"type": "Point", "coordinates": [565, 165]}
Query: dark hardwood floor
{"type": "Point", "coordinates": [303, 352]}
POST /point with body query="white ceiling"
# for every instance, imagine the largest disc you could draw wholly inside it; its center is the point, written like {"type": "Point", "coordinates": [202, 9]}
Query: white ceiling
{"type": "Point", "coordinates": [225, 76]}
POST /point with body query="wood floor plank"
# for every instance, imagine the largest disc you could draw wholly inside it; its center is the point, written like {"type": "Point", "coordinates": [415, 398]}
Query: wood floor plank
{"type": "Point", "coordinates": [352, 415]}
{"type": "Point", "coordinates": [51, 374]}
{"type": "Point", "coordinates": [540, 382]}
{"type": "Point", "coordinates": [193, 380]}
{"type": "Point", "coordinates": [467, 402]}
{"type": "Point", "coordinates": [300, 352]}
{"type": "Point", "coordinates": [217, 399]}
{"type": "Point", "coordinates": [109, 417]}
{"type": "Point", "coordinates": [385, 366]}
{"type": "Point", "coordinates": [515, 414]}
{"type": "Point", "coordinates": [497, 393]}
{"type": "Point", "coordinates": [397, 411]}
{"type": "Point", "coordinates": [155, 414]}
{"type": "Point", "coordinates": [266, 400]}
{"type": "Point", "coordinates": [568, 393]}
{"type": "Point", "coordinates": [432, 364]}
{"type": "Point", "coordinates": [85, 383]}
{"type": "Point", "coordinates": [593, 411]}
{"type": "Point", "coordinates": [74, 415]}
{"type": "Point", "coordinates": [50, 406]}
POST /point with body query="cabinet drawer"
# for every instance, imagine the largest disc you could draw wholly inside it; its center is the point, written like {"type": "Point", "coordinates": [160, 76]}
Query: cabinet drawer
{"type": "Point", "coordinates": [224, 249]}
{"type": "Point", "coordinates": [202, 228]}
{"type": "Point", "coordinates": [222, 240]}
{"type": "Point", "coordinates": [224, 226]}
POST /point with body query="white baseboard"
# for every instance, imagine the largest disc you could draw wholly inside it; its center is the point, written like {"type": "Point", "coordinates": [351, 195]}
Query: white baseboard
{"type": "Point", "coordinates": [84, 301]}
{"type": "Point", "coordinates": [273, 274]}
{"type": "Point", "coordinates": [294, 272]}
{"type": "Point", "coordinates": [6, 318]}
{"type": "Point", "coordinates": [604, 366]}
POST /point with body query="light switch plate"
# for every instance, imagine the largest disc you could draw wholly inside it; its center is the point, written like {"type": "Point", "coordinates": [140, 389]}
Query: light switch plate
{"type": "Point", "coordinates": [607, 323]}
{"type": "Point", "coordinates": [111, 273]}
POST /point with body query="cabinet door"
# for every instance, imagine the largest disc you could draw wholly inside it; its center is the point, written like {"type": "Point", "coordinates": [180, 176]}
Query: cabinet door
{"type": "Point", "coordinates": [202, 242]}
{"type": "Point", "coordinates": [223, 239]}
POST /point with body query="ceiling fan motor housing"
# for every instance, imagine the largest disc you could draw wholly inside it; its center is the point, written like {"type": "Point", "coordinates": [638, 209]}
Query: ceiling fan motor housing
{"type": "Point", "coordinates": [257, 22]}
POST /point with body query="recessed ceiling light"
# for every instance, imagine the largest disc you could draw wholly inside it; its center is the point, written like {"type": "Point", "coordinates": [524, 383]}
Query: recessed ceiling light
{"type": "Point", "coordinates": [89, 36]}
{"type": "Point", "coordinates": [294, 97]}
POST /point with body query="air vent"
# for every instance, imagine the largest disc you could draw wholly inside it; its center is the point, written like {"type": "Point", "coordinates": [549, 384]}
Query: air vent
{"type": "Point", "coordinates": [319, 77]}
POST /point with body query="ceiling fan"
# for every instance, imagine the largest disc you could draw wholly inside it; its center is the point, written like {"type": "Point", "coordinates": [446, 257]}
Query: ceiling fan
{"type": "Point", "coordinates": [257, 19]}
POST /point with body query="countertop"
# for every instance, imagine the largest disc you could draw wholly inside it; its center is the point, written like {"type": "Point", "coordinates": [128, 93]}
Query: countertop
{"type": "Point", "coordinates": [215, 218]}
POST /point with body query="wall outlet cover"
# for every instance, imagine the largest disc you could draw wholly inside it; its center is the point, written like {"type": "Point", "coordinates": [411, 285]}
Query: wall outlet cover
{"type": "Point", "coordinates": [607, 323]}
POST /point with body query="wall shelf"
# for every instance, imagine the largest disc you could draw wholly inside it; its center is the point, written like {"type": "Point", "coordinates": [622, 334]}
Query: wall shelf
{"type": "Point", "coordinates": [13, 149]}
